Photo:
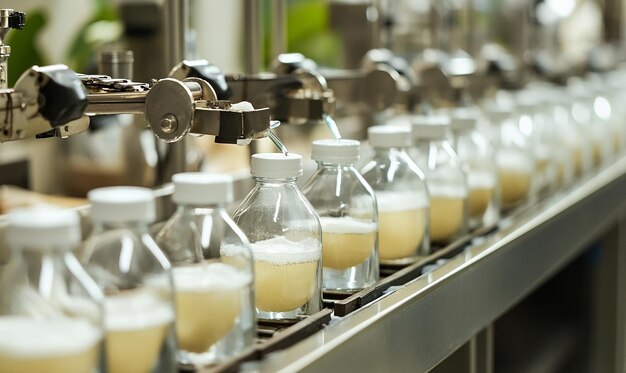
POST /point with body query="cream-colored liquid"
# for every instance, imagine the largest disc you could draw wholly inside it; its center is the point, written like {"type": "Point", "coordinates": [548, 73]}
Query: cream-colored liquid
{"type": "Point", "coordinates": [578, 162]}
{"type": "Point", "coordinates": [208, 303]}
{"type": "Point", "coordinates": [479, 199]}
{"type": "Point", "coordinates": [50, 346]}
{"type": "Point", "coordinates": [514, 187]}
{"type": "Point", "coordinates": [346, 242]}
{"type": "Point", "coordinates": [137, 323]}
{"type": "Point", "coordinates": [285, 273]}
{"type": "Point", "coordinates": [446, 218]}
{"type": "Point", "coordinates": [401, 224]}
{"type": "Point", "coordinates": [597, 153]}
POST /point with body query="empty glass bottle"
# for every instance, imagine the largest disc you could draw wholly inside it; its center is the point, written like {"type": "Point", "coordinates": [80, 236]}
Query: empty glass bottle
{"type": "Point", "coordinates": [212, 270]}
{"type": "Point", "coordinates": [347, 209]}
{"type": "Point", "coordinates": [447, 183]}
{"type": "Point", "coordinates": [285, 238]}
{"type": "Point", "coordinates": [478, 159]}
{"type": "Point", "coordinates": [135, 278]}
{"type": "Point", "coordinates": [401, 195]}
{"type": "Point", "coordinates": [51, 317]}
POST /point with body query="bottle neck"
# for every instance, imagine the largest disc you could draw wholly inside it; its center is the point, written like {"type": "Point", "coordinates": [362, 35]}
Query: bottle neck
{"type": "Point", "coordinates": [269, 181]}
{"type": "Point", "coordinates": [136, 226]}
{"type": "Point", "coordinates": [195, 209]}
{"type": "Point", "coordinates": [334, 166]}
{"type": "Point", "coordinates": [386, 152]}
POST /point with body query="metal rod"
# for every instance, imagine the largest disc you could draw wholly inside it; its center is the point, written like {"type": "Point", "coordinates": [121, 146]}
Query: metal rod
{"type": "Point", "coordinates": [279, 27]}
{"type": "Point", "coordinates": [172, 157]}
{"type": "Point", "coordinates": [253, 36]}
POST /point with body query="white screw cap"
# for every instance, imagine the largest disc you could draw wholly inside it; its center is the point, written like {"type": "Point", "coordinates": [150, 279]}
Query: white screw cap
{"type": "Point", "coordinates": [335, 151]}
{"type": "Point", "coordinates": [199, 188]}
{"type": "Point", "coordinates": [497, 113]}
{"type": "Point", "coordinates": [430, 126]}
{"type": "Point", "coordinates": [44, 228]}
{"type": "Point", "coordinates": [389, 136]}
{"type": "Point", "coordinates": [122, 204]}
{"type": "Point", "coordinates": [276, 165]}
{"type": "Point", "coordinates": [464, 119]}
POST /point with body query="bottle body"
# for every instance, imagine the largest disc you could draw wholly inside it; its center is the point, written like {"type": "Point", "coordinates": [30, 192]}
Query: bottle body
{"type": "Point", "coordinates": [478, 160]}
{"type": "Point", "coordinates": [285, 238]}
{"type": "Point", "coordinates": [447, 187]}
{"type": "Point", "coordinates": [212, 272]}
{"type": "Point", "coordinates": [347, 209]}
{"type": "Point", "coordinates": [516, 163]}
{"type": "Point", "coordinates": [403, 205]}
{"type": "Point", "coordinates": [51, 316]}
{"type": "Point", "coordinates": [135, 278]}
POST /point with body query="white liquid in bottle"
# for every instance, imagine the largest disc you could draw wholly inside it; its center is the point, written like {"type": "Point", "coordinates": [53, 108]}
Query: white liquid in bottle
{"type": "Point", "coordinates": [401, 224]}
{"type": "Point", "coordinates": [53, 346]}
{"type": "Point", "coordinates": [136, 322]}
{"type": "Point", "coordinates": [447, 213]}
{"type": "Point", "coordinates": [515, 177]}
{"type": "Point", "coordinates": [346, 242]}
{"type": "Point", "coordinates": [285, 273]}
{"type": "Point", "coordinates": [208, 303]}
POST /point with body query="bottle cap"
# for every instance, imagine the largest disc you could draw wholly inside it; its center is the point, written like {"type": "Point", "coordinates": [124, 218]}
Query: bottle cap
{"type": "Point", "coordinates": [388, 136]}
{"type": "Point", "coordinates": [199, 188]}
{"type": "Point", "coordinates": [45, 228]}
{"type": "Point", "coordinates": [498, 113]}
{"type": "Point", "coordinates": [276, 165]}
{"type": "Point", "coordinates": [122, 204]}
{"type": "Point", "coordinates": [430, 126]}
{"type": "Point", "coordinates": [335, 151]}
{"type": "Point", "coordinates": [464, 119]}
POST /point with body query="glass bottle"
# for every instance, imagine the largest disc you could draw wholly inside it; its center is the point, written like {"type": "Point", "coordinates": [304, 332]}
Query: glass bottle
{"type": "Point", "coordinates": [516, 164]}
{"type": "Point", "coordinates": [347, 209]}
{"type": "Point", "coordinates": [51, 317]}
{"type": "Point", "coordinates": [212, 270]}
{"type": "Point", "coordinates": [447, 184]}
{"type": "Point", "coordinates": [401, 195]}
{"type": "Point", "coordinates": [285, 237]}
{"type": "Point", "coordinates": [135, 278]}
{"type": "Point", "coordinates": [478, 159]}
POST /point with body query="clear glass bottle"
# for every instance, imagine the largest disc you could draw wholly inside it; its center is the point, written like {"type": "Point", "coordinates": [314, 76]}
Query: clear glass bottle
{"type": "Point", "coordinates": [447, 184]}
{"type": "Point", "coordinates": [516, 164]}
{"type": "Point", "coordinates": [51, 316]}
{"type": "Point", "coordinates": [401, 195]}
{"type": "Point", "coordinates": [478, 159]}
{"type": "Point", "coordinates": [347, 209]}
{"type": "Point", "coordinates": [541, 139]}
{"type": "Point", "coordinates": [575, 138]}
{"type": "Point", "coordinates": [285, 237]}
{"type": "Point", "coordinates": [212, 270]}
{"type": "Point", "coordinates": [135, 278]}
{"type": "Point", "coordinates": [584, 113]}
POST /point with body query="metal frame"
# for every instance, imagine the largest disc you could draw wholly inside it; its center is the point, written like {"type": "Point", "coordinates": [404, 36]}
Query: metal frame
{"type": "Point", "coordinates": [422, 323]}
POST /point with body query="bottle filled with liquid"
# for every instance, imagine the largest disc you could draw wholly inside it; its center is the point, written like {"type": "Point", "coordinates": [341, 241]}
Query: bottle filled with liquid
{"type": "Point", "coordinates": [478, 159]}
{"type": "Point", "coordinates": [135, 278]}
{"type": "Point", "coordinates": [516, 163]}
{"type": "Point", "coordinates": [401, 195]}
{"type": "Point", "coordinates": [285, 237]}
{"type": "Point", "coordinates": [541, 139]}
{"type": "Point", "coordinates": [447, 183]}
{"type": "Point", "coordinates": [347, 209]}
{"type": "Point", "coordinates": [51, 317]}
{"type": "Point", "coordinates": [212, 270]}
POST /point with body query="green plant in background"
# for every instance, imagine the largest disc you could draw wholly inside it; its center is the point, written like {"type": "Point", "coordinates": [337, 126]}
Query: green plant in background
{"type": "Point", "coordinates": [24, 52]}
{"type": "Point", "coordinates": [103, 27]}
{"type": "Point", "coordinates": [308, 32]}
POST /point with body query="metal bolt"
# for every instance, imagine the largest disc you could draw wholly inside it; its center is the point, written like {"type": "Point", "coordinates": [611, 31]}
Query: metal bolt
{"type": "Point", "coordinates": [169, 123]}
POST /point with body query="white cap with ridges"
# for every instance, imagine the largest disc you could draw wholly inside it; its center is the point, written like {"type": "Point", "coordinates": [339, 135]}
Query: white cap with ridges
{"type": "Point", "coordinates": [276, 165]}
{"type": "Point", "coordinates": [335, 151]}
{"type": "Point", "coordinates": [122, 204]}
{"type": "Point", "coordinates": [44, 228]}
{"type": "Point", "coordinates": [199, 188]}
{"type": "Point", "coordinates": [430, 126]}
{"type": "Point", "coordinates": [387, 136]}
